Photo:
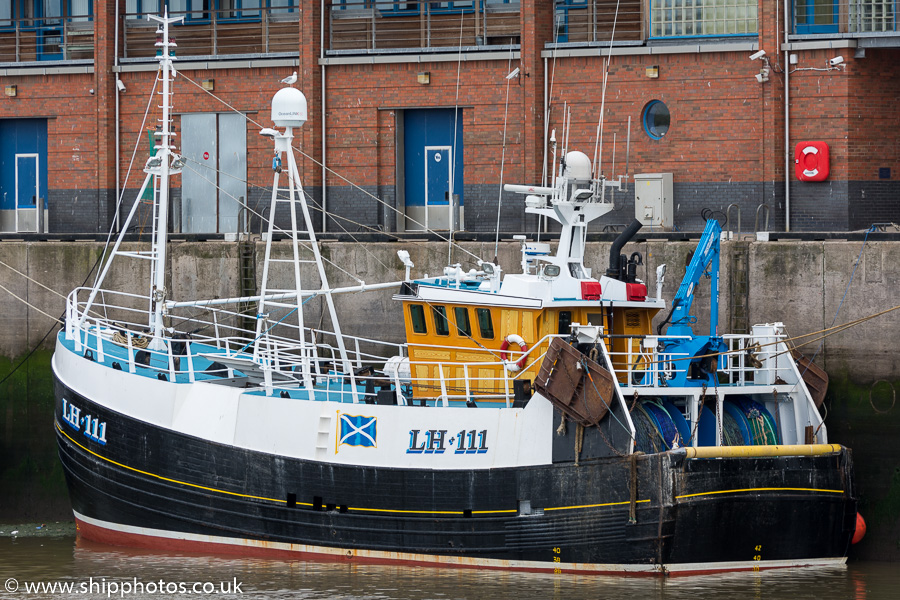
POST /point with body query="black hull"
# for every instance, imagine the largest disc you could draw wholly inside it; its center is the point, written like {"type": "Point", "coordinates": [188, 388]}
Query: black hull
{"type": "Point", "coordinates": [647, 513]}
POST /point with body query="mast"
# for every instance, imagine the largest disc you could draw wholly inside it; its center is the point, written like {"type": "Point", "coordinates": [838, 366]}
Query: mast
{"type": "Point", "coordinates": [161, 169]}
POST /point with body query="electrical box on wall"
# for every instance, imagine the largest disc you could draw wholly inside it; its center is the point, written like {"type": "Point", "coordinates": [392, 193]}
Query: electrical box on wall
{"type": "Point", "coordinates": [653, 200]}
{"type": "Point", "coordinates": [811, 161]}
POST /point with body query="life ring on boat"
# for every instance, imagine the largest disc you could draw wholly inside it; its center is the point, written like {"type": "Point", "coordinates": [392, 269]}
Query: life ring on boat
{"type": "Point", "coordinates": [514, 367]}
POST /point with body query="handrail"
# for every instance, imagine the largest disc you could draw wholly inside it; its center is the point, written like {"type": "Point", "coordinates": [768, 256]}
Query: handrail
{"type": "Point", "coordinates": [756, 224]}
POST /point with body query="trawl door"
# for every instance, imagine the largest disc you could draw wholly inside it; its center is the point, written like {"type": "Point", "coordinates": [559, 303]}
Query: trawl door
{"type": "Point", "coordinates": [213, 182]}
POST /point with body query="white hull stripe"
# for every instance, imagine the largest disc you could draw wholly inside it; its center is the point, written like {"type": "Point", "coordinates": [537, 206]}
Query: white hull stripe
{"type": "Point", "coordinates": [230, 544]}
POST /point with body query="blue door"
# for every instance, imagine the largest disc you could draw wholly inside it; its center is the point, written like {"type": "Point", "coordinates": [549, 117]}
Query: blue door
{"type": "Point", "coordinates": [23, 154]}
{"type": "Point", "coordinates": [433, 149]}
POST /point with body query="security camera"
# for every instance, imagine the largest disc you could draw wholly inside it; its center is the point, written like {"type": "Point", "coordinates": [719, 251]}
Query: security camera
{"type": "Point", "coordinates": [760, 78]}
{"type": "Point", "coordinates": [758, 55]}
{"type": "Point", "coordinates": [836, 61]}
{"type": "Point", "coordinates": [120, 85]}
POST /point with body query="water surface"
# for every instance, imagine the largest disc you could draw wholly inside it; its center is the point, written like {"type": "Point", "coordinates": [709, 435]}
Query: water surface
{"type": "Point", "coordinates": [64, 560]}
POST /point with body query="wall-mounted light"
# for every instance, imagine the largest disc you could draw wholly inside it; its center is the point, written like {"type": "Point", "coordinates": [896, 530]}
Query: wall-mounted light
{"type": "Point", "coordinates": [424, 78]}
{"type": "Point", "coordinates": [208, 84]}
{"type": "Point", "coordinates": [652, 72]}
{"type": "Point", "coordinates": [10, 90]}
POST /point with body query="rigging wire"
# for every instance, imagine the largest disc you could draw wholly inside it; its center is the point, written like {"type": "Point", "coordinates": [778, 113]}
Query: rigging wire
{"type": "Point", "coordinates": [502, 159]}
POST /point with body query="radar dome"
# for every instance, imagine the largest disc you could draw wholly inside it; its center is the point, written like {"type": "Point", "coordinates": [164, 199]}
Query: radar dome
{"type": "Point", "coordinates": [578, 166]}
{"type": "Point", "coordinates": [289, 107]}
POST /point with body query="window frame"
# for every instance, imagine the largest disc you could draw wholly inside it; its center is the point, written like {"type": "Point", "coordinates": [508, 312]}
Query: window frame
{"type": "Point", "coordinates": [418, 319]}
{"type": "Point", "coordinates": [441, 322]}
{"type": "Point", "coordinates": [656, 6]}
{"type": "Point", "coordinates": [645, 113]}
{"type": "Point", "coordinates": [479, 315]}
{"type": "Point", "coordinates": [466, 330]}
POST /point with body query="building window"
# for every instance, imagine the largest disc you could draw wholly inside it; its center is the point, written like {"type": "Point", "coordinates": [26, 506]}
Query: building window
{"type": "Point", "coordinates": [417, 317]}
{"type": "Point", "coordinates": [463, 327]}
{"type": "Point", "coordinates": [564, 15]}
{"type": "Point", "coordinates": [441, 325]}
{"type": "Point", "coordinates": [821, 16]}
{"type": "Point", "coordinates": [697, 18]}
{"type": "Point", "coordinates": [198, 10]}
{"type": "Point", "coordinates": [485, 324]}
{"type": "Point", "coordinates": [656, 119]}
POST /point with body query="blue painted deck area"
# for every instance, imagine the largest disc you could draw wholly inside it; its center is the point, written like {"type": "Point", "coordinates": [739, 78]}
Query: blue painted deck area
{"type": "Point", "coordinates": [330, 388]}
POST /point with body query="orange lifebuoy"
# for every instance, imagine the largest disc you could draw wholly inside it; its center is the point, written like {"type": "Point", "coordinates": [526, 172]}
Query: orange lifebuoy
{"type": "Point", "coordinates": [514, 367]}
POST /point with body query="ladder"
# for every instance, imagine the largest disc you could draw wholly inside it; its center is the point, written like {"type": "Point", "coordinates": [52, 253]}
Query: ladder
{"type": "Point", "coordinates": [247, 278]}
{"type": "Point", "coordinates": [740, 287]}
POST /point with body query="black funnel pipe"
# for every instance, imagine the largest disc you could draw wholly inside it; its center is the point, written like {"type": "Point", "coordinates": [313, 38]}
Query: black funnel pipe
{"type": "Point", "coordinates": [614, 271]}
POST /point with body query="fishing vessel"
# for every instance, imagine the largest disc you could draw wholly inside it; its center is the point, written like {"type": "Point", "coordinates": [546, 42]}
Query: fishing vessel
{"type": "Point", "coordinates": [534, 421]}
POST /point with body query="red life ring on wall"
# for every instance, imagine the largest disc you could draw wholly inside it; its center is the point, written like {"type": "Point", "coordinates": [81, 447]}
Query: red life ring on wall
{"type": "Point", "coordinates": [514, 367]}
{"type": "Point", "coordinates": [811, 161]}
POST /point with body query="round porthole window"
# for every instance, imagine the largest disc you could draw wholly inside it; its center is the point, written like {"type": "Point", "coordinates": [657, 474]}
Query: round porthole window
{"type": "Point", "coordinates": [656, 119]}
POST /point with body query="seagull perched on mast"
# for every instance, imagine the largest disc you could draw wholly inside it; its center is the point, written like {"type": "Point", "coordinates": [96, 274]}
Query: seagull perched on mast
{"type": "Point", "coordinates": [291, 79]}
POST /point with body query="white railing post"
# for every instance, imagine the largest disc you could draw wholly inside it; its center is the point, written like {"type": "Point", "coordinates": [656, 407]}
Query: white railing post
{"type": "Point", "coordinates": [190, 361]}
{"type": "Point", "coordinates": [506, 384]}
{"type": "Point", "coordinates": [99, 342]}
{"type": "Point", "coordinates": [444, 402]}
{"type": "Point", "coordinates": [130, 353]}
{"type": "Point", "coordinates": [466, 377]}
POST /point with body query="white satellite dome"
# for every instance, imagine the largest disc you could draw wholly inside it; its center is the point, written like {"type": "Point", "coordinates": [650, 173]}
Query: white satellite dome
{"type": "Point", "coordinates": [289, 108]}
{"type": "Point", "coordinates": [578, 166]}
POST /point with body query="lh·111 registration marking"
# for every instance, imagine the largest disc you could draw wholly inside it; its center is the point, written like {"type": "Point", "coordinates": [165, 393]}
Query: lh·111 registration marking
{"type": "Point", "coordinates": [94, 428]}
{"type": "Point", "coordinates": [436, 441]}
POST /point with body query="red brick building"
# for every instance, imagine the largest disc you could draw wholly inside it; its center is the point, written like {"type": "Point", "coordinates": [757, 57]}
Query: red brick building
{"type": "Point", "coordinates": [410, 101]}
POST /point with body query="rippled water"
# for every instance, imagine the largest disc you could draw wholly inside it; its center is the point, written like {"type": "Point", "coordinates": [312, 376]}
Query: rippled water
{"type": "Point", "coordinates": [63, 560]}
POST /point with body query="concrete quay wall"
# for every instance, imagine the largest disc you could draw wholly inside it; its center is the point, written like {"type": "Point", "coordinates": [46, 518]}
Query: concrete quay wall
{"type": "Point", "coordinates": [803, 284]}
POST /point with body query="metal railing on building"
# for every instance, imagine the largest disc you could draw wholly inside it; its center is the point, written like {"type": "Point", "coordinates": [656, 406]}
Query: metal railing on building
{"type": "Point", "coordinates": [209, 32]}
{"type": "Point", "coordinates": [372, 25]}
{"type": "Point", "coordinates": [48, 38]}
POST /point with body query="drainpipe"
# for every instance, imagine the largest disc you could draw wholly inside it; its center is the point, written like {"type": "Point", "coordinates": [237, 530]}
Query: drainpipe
{"type": "Point", "coordinates": [118, 149]}
{"type": "Point", "coordinates": [322, 65]}
{"type": "Point", "coordinates": [787, 121]}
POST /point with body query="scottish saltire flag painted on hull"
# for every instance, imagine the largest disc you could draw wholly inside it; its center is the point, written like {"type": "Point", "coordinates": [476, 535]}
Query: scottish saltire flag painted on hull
{"type": "Point", "coordinates": [358, 430]}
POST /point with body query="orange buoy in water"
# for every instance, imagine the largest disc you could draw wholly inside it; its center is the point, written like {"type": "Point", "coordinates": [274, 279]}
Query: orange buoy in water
{"type": "Point", "coordinates": [860, 532]}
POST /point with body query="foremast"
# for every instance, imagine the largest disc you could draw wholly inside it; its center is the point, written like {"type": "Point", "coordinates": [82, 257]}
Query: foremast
{"type": "Point", "coordinates": [162, 171]}
{"type": "Point", "coordinates": [159, 168]}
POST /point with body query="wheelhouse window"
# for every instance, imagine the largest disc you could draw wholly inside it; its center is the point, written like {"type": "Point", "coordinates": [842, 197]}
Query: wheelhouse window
{"type": "Point", "coordinates": [441, 325]}
{"type": "Point", "coordinates": [699, 18]}
{"type": "Point", "coordinates": [485, 324]}
{"type": "Point", "coordinates": [417, 318]}
{"type": "Point", "coordinates": [463, 327]}
{"type": "Point", "coordinates": [564, 322]}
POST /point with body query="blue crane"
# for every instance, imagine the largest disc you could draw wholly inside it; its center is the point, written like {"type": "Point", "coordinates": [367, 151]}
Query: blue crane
{"type": "Point", "coordinates": [701, 368]}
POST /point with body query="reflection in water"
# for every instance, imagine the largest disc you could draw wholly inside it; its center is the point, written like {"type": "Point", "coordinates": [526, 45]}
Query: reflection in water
{"type": "Point", "coordinates": [64, 560]}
